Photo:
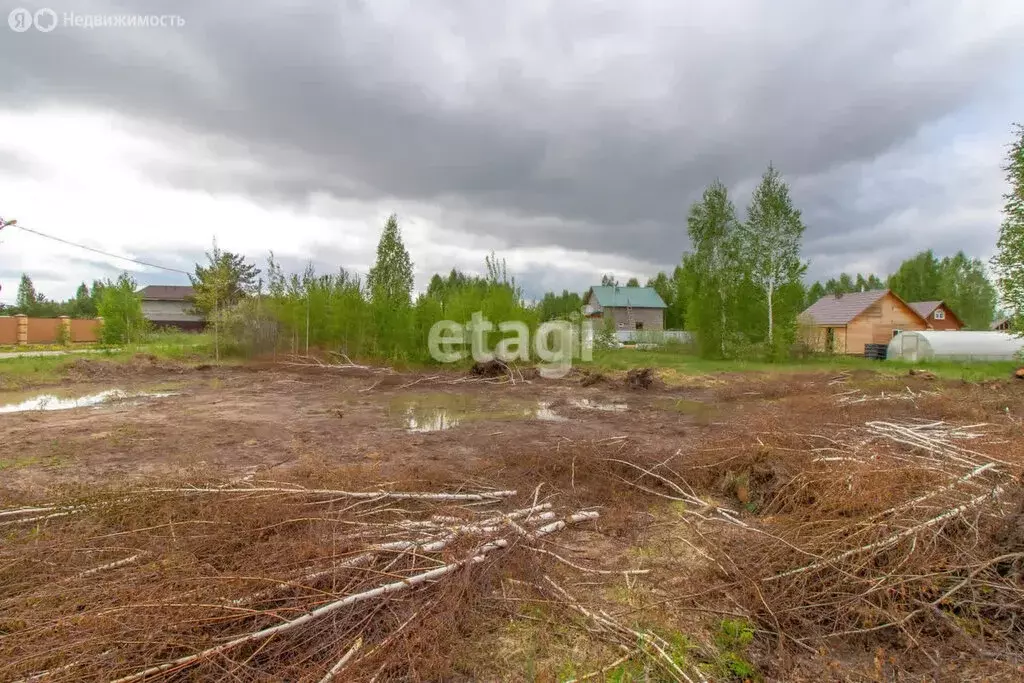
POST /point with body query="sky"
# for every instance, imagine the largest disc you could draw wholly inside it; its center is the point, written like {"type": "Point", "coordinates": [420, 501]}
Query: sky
{"type": "Point", "coordinates": [568, 136]}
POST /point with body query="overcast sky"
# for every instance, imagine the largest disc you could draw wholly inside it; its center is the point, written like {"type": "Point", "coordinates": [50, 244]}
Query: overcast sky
{"type": "Point", "coordinates": [568, 136]}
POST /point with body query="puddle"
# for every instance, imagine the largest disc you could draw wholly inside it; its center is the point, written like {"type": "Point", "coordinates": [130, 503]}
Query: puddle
{"type": "Point", "coordinates": [431, 412]}
{"type": "Point", "coordinates": [436, 420]}
{"type": "Point", "coordinates": [587, 404]}
{"type": "Point", "coordinates": [57, 402]}
{"type": "Point", "coordinates": [439, 412]}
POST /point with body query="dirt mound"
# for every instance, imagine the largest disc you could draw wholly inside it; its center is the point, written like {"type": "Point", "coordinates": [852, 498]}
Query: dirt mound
{"type": "Point", "coordinates": [640, 378]}
{"type": "Point", "coordinates": [491, 368]}
{"type": "Point", "coordinates": [1019, 373]}
{"type": "Point", "coordinates": [589, 379]}
{"type": "Point", "coordinates": [141, 363]}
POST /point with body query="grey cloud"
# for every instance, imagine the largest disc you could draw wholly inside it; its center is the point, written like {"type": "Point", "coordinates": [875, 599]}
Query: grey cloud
{"type": "Point", "coordinates": [582, 125]}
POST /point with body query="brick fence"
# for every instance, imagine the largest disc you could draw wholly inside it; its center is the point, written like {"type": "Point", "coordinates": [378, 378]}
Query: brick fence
{"type": "Point", "coordinates": [20, 329]}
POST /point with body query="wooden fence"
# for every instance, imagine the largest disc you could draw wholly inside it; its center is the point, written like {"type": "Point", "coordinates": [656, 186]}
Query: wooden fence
{"type": "Point", "coordinates": [20, 329]}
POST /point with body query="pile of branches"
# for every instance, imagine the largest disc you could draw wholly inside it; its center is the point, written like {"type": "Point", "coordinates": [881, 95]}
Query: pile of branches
{"type": "Point", "coordinates": [258, 581]}
{"type": "Point", "coordinates": [894, 527]}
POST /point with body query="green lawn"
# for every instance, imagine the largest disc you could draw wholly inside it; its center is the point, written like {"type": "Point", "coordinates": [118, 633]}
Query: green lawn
{"type": "Point", "coordinates": [687, 364]}
{"type": "Point", "coordinates": [17, 373]}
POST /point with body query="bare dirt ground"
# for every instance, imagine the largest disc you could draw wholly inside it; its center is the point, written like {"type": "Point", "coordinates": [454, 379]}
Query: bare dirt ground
{"type": "Point", "coordinates": [739, 527]}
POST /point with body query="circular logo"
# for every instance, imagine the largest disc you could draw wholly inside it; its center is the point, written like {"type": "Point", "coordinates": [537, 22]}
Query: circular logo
{"type": "Point", "coordinates": [46, 20]}
{"type": "Point", "coordinates": [20, 19]}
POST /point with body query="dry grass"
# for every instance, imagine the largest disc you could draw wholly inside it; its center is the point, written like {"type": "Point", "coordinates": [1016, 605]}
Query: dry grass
{"type": "Point", "coordinates": [890, 524]}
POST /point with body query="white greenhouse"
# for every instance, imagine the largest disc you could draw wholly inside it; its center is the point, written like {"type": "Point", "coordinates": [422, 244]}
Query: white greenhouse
{"type": "Point", "coordinates": [978, 346]}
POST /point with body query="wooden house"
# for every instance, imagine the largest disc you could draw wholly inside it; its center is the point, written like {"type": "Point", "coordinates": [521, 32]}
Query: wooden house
{"type": "Point", "coordinates": [844, 323]}
{"type": "Point", "coordinates": [938, 315]}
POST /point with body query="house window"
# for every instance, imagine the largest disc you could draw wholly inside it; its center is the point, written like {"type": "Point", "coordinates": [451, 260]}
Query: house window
{"type": "Point", "coordinates": [940, 314]}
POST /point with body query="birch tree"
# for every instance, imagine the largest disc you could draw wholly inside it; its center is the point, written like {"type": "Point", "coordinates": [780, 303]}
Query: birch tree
{"type": "Point", "coordinates": [1009, 260]}
{"type": "Point", "coordinates": [771, 240]}
{"type": "Point", "coordinates": [712, 228]}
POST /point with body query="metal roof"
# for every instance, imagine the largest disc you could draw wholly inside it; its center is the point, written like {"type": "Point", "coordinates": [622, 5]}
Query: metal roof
{"type": "Point", "coordinates": [840, 309]}
{"type": "Point", "coordinates": [623, 297]}
{"type": "Point", "coordinates": [166, 292]}
{"type": "Point", "coordinates": [924, 308]}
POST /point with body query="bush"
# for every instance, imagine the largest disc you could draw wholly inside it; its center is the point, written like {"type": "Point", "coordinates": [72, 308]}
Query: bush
{"type": "Point", "coordinates": [121, 310]}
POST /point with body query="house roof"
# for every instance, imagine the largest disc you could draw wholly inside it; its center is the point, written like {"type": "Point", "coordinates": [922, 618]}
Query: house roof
{"type": "Point", "coordinates": [623, 297]}
{"type": "Point", "coordinates": [840, 309]}
{"type": "Point", "coordinates": [924, 308]}
{"type": "Point", "coordinates": [166, 292]}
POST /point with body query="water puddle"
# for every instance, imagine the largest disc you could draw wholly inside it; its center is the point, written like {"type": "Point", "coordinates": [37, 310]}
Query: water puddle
{"type": "Point", "coordinates": [440, 412]}
{"type": "Point", "coordinates": [66, 402]}
{"type": "Point", "coordinates": [432, 421]}
{"type": "Point", "coordinates": [587, 404]}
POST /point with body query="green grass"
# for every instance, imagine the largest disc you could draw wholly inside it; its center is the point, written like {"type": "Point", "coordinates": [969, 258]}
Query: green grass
{"type": "Point", "coordinates": [688, 364]}
{"type": "Point", "coordinates": [18, 373]}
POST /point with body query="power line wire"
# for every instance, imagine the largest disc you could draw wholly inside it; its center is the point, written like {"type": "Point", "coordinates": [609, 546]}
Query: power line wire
{"type": "Point", "coordinates": [97, 251]}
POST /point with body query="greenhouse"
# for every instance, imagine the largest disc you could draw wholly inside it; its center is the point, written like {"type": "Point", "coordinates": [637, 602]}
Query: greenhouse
{"type": "Point", "coordinates": [979, 346]}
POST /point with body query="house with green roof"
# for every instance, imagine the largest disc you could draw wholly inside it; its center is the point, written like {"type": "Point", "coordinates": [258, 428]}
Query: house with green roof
{"type": "Point", "coordinates": [628, 308]}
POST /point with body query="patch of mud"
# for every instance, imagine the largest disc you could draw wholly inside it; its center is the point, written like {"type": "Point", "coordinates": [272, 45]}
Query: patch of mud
{"type": "Point", "coordinates": [590, 404]}
{"type": "Point", "coordinates": [640, 378]}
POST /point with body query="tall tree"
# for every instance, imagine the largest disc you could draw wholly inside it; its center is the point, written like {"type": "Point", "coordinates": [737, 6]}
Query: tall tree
{"type": "Point", "coordinates": [390, 287]}
{"type": "Point", "coordinates": [83, 305]}
{"type": "Point", "coordinates": [608, 280]}
{"type": "Point", "coordinates": [712, 228]}
{"type": "Point", "coordinates": [771, 239]}
{"type": "Point", "coordinates": [632, 282]}
{"type": "Point", "coordinates": [225, 280]}
{"type": "Point", "coordinates": [1009, 260]}
{"type": "Point", "coordinates": [222, 283]}
{"type": "Point", "coordinates": [390, 279]}
{"type": "Point", "coordinates": [918, 278]}
{"type": "Point", "coordinates": [121, 308]}
{"type": "Point", "coordinates": [27, 300]}
{"type": "Point", "coordinates": [966, 289]}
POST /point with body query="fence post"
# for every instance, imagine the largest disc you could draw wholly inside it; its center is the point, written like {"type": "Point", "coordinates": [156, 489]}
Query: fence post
{"type": "Point", "coordinates": [22, 328]}
{"type": "Point", "coordinates": [99, 328]}
{"type": "Point", "coordinates": [65, 329]}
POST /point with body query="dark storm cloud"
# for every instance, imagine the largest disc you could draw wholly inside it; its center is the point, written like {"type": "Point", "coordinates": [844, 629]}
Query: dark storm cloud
{"type": "Point", "coordinates": [577, 124]}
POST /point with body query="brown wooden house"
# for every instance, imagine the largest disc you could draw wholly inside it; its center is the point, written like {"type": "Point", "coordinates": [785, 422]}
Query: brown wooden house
{"type": "Point", "coordinates": [938, 315]}
{"type": "Point", "coordinates": [844, 323]}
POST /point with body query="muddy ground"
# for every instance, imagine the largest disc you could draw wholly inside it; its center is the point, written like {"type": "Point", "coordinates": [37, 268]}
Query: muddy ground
{"type": "Point", "coordinates": [276, 422]}
{"type": "Point", "coordinates": [232, 422]}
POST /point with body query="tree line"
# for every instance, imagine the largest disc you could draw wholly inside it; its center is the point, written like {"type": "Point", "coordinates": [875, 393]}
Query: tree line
{"type": "Point", "coordinates": [35, 304]}
{"type": "Point", "coordinates": [739, 291]}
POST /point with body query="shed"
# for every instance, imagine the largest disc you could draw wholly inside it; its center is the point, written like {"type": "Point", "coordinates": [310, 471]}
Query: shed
{"type": "Point", "coordinates": [971, 346]}
{"type": "Point", "coordinates": [170, 306]}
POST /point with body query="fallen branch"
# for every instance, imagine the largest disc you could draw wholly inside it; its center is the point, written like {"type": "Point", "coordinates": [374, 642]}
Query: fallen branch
{"type": "Point", "coordinates": [409, 582]}
{"type": "Point", "coordinates": [340, 664]}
